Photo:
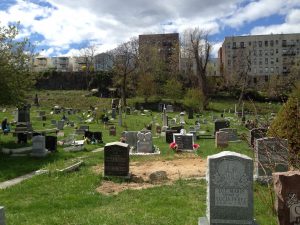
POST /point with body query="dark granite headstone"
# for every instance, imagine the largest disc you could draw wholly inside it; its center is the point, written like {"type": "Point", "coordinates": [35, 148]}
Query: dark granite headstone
{"type": "Point", "coordinates": [219, 124]}
{"type": "Point", "coordinates": [169, 135]}
{"type": "Point", "coordinates": [112, 131]}
{"type": "Point", "coordinates": [230, 190]}
{"type": "Point", "coordinates": [51, 143]}
{"type": "Point", "coordinates": [287, 194]}
{"type": "Point", "coordinates": [184, 141]}
{"type": "Point", "coordinates": [116, 159]}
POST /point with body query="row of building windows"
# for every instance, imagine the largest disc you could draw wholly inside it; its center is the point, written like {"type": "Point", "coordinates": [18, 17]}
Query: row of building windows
{"type": "Point", "coordinates": [272, 52]}
{"type": "Point", "coordinates": [266, 43]}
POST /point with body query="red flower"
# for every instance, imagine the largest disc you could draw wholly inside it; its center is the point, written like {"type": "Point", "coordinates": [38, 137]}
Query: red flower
{"type": "Point", "coordinates": [173, 146]}
{"type": "Point", "coordinates": [196, 146]}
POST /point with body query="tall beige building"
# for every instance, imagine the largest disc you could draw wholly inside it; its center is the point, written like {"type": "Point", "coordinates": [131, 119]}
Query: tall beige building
{"type": "Point", "coordinates": [259, 56]}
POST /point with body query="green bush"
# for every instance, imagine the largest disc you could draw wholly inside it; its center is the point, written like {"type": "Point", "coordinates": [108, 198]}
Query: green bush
{"type": "Point", "coordinates": [287, 125]}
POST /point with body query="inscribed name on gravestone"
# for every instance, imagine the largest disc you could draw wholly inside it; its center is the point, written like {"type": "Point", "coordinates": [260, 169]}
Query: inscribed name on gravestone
{"type": "Point", "coordinates": [230, 190]}
{"type": "Point", "coordinates": [270, 154]}
{"type": "Point", "coordinates": [116, 159]}
{"type": "Point", "coordinates": [184, 141]}
{"type": "Point", "coordinates": [287, 194]}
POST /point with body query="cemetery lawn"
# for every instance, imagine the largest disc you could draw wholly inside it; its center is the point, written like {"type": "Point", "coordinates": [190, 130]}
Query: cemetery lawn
{"type": "Point", "coordinates": [72, 198]}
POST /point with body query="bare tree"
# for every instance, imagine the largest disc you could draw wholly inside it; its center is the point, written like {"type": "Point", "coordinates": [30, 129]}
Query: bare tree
{"type": "Point", "coordinates": [195, 45]}
{"type": "Point", "coordinates": [86, 61]}
{"type": "Point", "coordinates": [125, 64]}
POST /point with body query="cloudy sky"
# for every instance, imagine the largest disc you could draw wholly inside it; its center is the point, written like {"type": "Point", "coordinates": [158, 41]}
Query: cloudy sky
{"type": "Point", "coordinates": [61, 27]}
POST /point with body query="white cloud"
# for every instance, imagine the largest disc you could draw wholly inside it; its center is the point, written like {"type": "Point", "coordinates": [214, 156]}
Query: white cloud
{"type": "Point", "coordinates": [260, 9]}
{"type": "Point", "coordinates": [215, 48]}
{"type": "Point", "coordinates": [71, 24]}
{"type": "Point", "coordinates": [291, 25]}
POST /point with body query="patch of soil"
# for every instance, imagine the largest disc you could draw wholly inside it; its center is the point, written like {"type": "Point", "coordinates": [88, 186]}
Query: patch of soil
{"type": "Point", "coordinates": [190, 166]}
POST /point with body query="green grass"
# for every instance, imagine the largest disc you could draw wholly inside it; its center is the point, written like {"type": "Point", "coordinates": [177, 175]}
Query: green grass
{"type": "Point", "coordinates": [71, 198]}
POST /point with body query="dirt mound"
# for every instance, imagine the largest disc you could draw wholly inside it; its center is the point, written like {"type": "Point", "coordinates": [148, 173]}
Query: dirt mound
{"type": "Point", "coordinates": [181, 168]}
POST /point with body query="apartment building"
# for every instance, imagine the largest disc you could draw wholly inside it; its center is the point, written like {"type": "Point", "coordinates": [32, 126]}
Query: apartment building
{"type": "Point", "coordinates": [41, 63]}
{"type": "Point", "coordinates": [166, 45]}
{"type": "Point", "coordinates": [103, 62]}
{"type": "Point", "coordinates": [259, 56]}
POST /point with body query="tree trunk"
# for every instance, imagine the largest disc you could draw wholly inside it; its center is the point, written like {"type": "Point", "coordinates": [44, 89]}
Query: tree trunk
{"type": "Point", "coordinates": [242, 94]}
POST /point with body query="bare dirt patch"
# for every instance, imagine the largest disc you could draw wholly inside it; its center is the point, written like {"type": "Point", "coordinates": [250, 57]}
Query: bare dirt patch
{"type": "Point", "coordinates": [190, 166]}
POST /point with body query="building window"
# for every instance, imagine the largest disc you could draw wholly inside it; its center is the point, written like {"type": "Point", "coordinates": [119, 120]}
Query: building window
{"type": "Point", "coordinates": [266, 69]}
{"type": "Point", "coordinates": [271, 51]}
{"type": "Point", "coordinates": [261, 70]}
{"type": "Point", "coordinates": [277, 60]}
{"type": "Point", "coordinates": [272, 61]}
{"type": "Point", "coordinates": [254, 43]}
{"type": "Point", "coordinates": [254, 80]}
{"type": "Point", "coordinates": [266, 60]}
{"type": "Point", "coordinates": [260, 44]}
{"type": "Point", "coordinates": [266, 78]}
{"type": "Point", "coordinates": [242, 45]}
{"type": "Point", "coordinates": [260, 53]}
{"type": "Point", "coordinates": [249, 43]}
{"type": "Point", "coordinates": [266, 52]}
{"type": "Point", "coordinates": [254, 52]}
{"type": "Point", "coordinates": [233, 45]}
{"type": "Point", "coordinates": [260, 62]}
{"type": "Point", "coordinates": [276, 51]}
{"type": "Point", "coordinates": [266, 43]}
{"type": "Point", "coordinates": [229, 62]}
{"type": "Point", "coordinates": [276, 42]}
{"type": "Point", "coordinates": [271, 43]}
{"type": "Point", "coordinates": [228, 45]}
{"type": "Point", "coordinates": [255, 70]}
{"type": "Point", "coordinates": [272, 70]}
{"type": "Point", "coordinates": [283, 43]}
{"type": "Point", "coordinates": [254, 61]}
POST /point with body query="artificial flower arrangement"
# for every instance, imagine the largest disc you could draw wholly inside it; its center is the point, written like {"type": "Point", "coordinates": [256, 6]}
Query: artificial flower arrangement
{"type": "Point", "coordinates": [174, 146]}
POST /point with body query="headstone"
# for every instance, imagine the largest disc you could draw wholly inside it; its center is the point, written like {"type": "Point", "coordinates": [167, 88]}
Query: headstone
{"type": "Point", "coordinates": [130, 138]}
{"type": "Point", "coordinates": [60, 124]}
{"type": "Point", "coordinates": [51, 143]}
{"type": "Point", "coordinates": [177, 128]}
{"type": "Point", "coordinates": [54, 122]}
{"type": "Point", "coordinates": [190, 114]}
{"type": "Point", "coordinates": [36, 100]}
{"type": "Point", "coordinates": [257, 133]}
{"type": "Point", "coordinates": [39, 146]}
{"type": "Point", "coordinates": [270, 154]}
{"type": "Point", "coordinates": [116, 159]}
{"type": "Point", "coordinates": [232, 133]}
{"type": "Point", "coordinates": [169, 108]}
{"type": "Point", "coordinates": [158, 129]}
{"type": "Point", "coordinates": [2, 216]}
{"type": "Point", "coordinates": [98, 136]}
{"type": "Point", "coordinates": [287, 197]}
{"type": "Point", "coordinates": [81, 130]}
{"type": "Point", "coordinates": [112, 131]}
{"type": "Point", "coordinates": [219, 124]}
{"type": "Point", "coordinates": [113, 113]}
{"type": "Point", "coordinates": [182, 122]}
{"type": "Point", "coordinates": [184, 141]}
{"type": "Point", "coordinates": [24, 114]}
{"type": "Point", "coordinates": [221, 139]}
{"type": "Point", "coordinates": [164, 119]}
{"type": "Point", "coordinates": [144, 143]}
{"type": "Point", "coordinates": [172, 122]}
{"type": "Point", "coordinates": [230, 190]}
{"type": "Point", "coordinates": [169, 135]}
{"type": "Point", "coordinates": [128, 110]}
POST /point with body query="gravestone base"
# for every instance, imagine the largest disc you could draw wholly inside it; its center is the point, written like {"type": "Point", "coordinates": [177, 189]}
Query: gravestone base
{"type": "Point", "coordinates": [204, 221]}
{"type": "Point", "coordinates": [40, 154]}
{"type": "Point", "coordinates": [108, 177]}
